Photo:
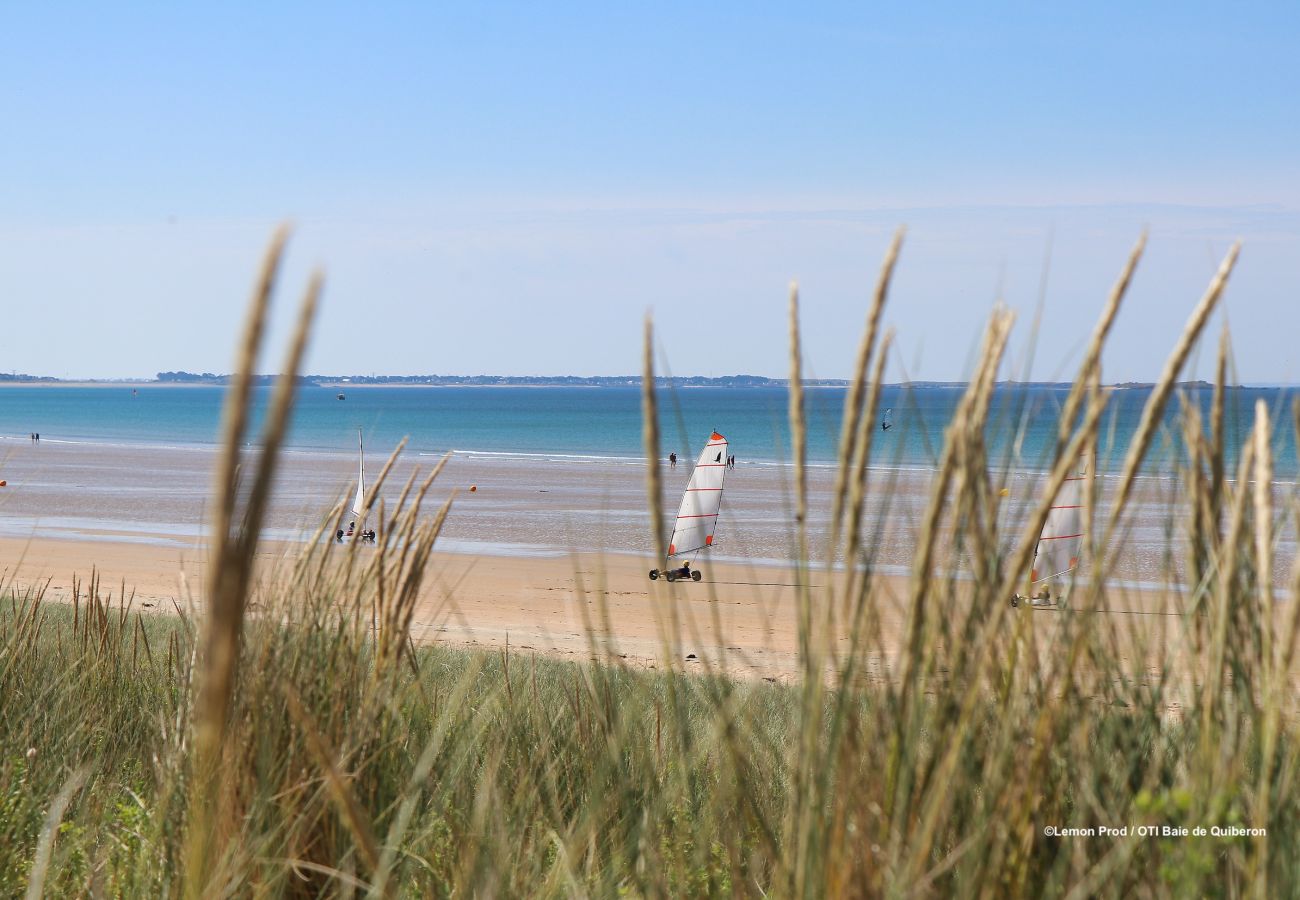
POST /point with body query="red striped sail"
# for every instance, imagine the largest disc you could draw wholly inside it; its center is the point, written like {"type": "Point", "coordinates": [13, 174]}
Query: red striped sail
{"type": "Point", "coordinates": [1061, 540]}
{"type": "Point", "coordinates": [698, 515]}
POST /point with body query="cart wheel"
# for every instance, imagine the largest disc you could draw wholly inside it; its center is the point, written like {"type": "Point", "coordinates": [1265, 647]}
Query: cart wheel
{"type": "Point", "coordinates": [696, 576]}
{"type": "Point", "coordinates": [654, 574]}
{"type": "Point", "coordinates": [670, 575]}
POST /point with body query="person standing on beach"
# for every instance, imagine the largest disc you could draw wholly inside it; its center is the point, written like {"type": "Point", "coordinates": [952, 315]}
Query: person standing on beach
{"type": "Point", "coordinates": [672, 460]}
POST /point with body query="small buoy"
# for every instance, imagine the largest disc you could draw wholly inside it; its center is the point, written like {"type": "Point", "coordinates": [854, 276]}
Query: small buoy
{"type": "Point", "coordinates": [4, 483]}
{"type": "Point", "coordinates": [473, 488]}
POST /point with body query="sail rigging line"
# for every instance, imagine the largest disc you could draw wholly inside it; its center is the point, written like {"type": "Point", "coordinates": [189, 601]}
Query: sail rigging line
{"type": "Point", "coordinates": [793, 584]}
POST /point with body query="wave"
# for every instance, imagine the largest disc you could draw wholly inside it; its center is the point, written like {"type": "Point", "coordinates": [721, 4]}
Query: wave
{"type": "Point", "coordinates": [522, 454]}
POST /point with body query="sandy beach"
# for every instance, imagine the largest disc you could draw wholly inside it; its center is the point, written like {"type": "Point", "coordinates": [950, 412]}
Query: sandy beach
{"type": "Point", "coordinates": [547, 554]}
{"type": "Point", "coordinates": [741, 618]}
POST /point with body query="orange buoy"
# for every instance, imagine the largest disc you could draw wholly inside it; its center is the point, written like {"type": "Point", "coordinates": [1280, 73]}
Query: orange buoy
{"type": "Point", "coordinates": [473, 488]}
{"type": "Point", "coordinates": [4, 483]}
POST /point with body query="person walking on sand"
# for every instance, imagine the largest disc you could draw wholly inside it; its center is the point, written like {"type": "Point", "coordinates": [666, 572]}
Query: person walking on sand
{"type": "Point", "coordinates": [672, 460]}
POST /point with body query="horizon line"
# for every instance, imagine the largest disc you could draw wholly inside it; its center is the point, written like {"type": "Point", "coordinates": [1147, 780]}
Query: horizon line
{"type": "Point", "coordinates": [190, 379]}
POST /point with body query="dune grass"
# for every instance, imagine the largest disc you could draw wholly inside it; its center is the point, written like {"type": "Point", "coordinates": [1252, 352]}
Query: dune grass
{"type": "Point", "coordinates": [290, 738]}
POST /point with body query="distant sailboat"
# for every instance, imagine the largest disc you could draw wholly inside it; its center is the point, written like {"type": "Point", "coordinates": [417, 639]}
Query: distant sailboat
{"type": "Point", "coordinates": [1060, 543]}
{"type": "Point", "coordinates": [356, 528]}
{"type": "Point", "coordinates": [697, 517]}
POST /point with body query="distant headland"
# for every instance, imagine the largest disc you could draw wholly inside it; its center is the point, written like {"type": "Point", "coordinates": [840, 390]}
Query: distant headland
{"type": "Point", "coordinates": [503, 380]}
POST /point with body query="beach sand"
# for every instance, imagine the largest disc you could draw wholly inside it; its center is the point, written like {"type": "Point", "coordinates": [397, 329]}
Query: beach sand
{"type": "Point", "coordinates": [548, 553]}
{"type": "Point", "coordinates": [740, 619]}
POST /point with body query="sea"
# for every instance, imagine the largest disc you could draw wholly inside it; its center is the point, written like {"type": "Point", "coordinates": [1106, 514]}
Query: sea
{"type": "Point", "coordinates": [595, 423]}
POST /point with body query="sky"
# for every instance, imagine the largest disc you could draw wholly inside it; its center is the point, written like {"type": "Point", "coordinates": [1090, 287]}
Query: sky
{"type": "Point", "coordinates": [511, 188]}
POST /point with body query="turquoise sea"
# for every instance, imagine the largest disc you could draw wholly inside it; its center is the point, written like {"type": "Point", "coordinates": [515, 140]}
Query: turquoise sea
{"type": "Point", "coordinates": [605, 422]}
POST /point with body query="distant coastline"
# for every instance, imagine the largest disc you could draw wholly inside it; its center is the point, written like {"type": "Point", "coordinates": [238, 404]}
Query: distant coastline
{"type": "Point", "coordinates": [343, 382]}
{"type": "Point", "coordinates": [182, 379]}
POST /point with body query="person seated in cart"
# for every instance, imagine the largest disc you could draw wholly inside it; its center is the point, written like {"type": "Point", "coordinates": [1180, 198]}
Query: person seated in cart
{"type": "Point", "coordinates": [682, 573]}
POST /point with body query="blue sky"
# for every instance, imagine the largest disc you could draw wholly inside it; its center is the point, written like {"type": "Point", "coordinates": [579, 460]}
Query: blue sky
{"type": "Point", "coordinates": [507, 188]}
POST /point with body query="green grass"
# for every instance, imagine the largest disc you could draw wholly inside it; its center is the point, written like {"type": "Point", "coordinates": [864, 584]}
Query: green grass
{"type": "Point", "coordinates": [292, 740]}
{"type": "Point", "coordinates": [566, 778]}
{"type": "Point", "coordinates": [560, 774]}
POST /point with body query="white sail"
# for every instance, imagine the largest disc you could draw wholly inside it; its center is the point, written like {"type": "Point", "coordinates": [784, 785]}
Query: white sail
{"type": "Point", "coordinates": [359, 502]}
{"type": "Point", "coordinates": [698, 515]}
{"type": "Point", "coordinates": [1061, 540]}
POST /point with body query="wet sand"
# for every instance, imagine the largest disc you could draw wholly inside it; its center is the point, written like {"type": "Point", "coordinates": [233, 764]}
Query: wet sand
{"type": "Point", "coordinates": [535, 505]}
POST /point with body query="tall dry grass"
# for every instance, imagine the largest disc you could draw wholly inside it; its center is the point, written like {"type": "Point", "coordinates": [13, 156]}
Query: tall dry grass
{"type": "Point", "coordinates": [291, 739]}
